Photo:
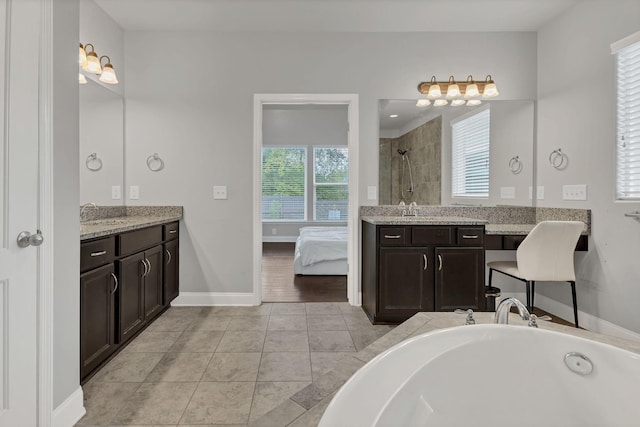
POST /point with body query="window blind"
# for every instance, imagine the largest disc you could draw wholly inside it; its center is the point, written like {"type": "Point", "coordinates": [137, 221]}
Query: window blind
{"type": "Point", "coordinates": [330, 183]}
{"type": "Point", "coordinates": [470, 140]}
{"type": "Point", "coordinates": [628, 122]}
{"type": "Point", "coordinates": [283, 183]}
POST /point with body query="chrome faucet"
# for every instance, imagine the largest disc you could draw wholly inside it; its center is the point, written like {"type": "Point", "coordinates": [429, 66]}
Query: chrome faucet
{"type": "Point", "coordinates": [502, 312]}
{"type": "Point", "coordinates": [83, 209]}
{"type": "Point", "coordinates": [412, 211]}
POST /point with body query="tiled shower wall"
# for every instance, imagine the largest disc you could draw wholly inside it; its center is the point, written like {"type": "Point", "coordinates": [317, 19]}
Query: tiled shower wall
{"type": "Point", "coordinates": [424, 145]}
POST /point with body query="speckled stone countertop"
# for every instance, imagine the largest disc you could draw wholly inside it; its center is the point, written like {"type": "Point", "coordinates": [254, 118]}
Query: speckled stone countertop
{"type": "Point", "coordinates": [107, 220]}
{"type": "Point", "coordinates": [305, 408]}
{"type": "Point", "coordinates": [422, 220]}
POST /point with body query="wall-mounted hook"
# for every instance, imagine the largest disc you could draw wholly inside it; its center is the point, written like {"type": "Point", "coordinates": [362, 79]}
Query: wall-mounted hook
{"type": "Point", "coordinates": [93, 162]}
{"type": "Point", "coordinates": [558, 159]}
{"type": "Point", "coordinates": [515, 165]}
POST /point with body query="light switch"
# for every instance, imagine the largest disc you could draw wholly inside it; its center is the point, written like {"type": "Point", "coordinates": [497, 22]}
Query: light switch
{"type": "Point", "coordinates": [372, 193]}
{"type": "Point", "coordinates": [540, 193]}
{"type": "Point", "coordinates": [134, 192]}
{"type": "Point", "coordinates": [507, 192]}
{"type": "Point", "coordinates": [115, 192]}
{"type": "Point", "coordinates": [574, 192]}
{"type": "Point", "coordinates": [220, 192]}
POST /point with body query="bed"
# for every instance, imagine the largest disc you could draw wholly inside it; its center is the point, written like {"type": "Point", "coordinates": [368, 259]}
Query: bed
{"type": "Point", "coordinates": [321, 251]}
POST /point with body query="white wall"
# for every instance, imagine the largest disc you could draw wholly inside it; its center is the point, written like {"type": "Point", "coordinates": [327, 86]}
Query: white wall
{"type": "Point", "coordinates": [189, 97]}
{"type": "Point", "coordinates": [300, 125]}
{"type": "Point", "coordinates": [576, 112]}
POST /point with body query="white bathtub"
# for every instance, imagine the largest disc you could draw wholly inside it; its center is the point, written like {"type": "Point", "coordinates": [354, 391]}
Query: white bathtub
{"type": "Point", "coordinates": [491, 375]}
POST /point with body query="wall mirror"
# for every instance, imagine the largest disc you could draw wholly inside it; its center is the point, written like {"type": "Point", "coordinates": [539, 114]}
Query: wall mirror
{"type": "Point", "coordinates": [416, 153]}
{"type": "Point", "coordinates": [101, 145]}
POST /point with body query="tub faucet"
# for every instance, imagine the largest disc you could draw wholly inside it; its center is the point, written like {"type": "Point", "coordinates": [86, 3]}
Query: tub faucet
{"type": "Point", "coordinates": [502, 312]}
{"type": "Point", "coordinates": [83, 209]}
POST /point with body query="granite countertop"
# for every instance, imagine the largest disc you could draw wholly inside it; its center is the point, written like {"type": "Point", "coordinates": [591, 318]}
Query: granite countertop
{"type": "Point", "coordinates": [112, 220]}
{"type": "Point", "coordinates": [422, 220]}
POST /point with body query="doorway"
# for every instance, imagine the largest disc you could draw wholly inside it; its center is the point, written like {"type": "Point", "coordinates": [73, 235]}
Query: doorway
{"type": "Point", "coordinates": [273, 115]}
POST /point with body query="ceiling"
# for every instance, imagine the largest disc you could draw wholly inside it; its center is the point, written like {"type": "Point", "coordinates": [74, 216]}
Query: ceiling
{"type": "Point", "coordinates": [335, 15]}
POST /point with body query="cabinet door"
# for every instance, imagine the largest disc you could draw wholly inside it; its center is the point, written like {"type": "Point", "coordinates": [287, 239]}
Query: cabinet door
{"type": "Point", "coordinates": [171, 275]}
{"type": "Point", "coordinates": [459, 279]}
{"type": "Point", "coordinates": [131, 295]}
{"type": "Point", "coordinates": [405, 282]}
{"type": "Point", "coordinates": [97, 317]}
{"type": "Point", "coordinates": [153, 282]}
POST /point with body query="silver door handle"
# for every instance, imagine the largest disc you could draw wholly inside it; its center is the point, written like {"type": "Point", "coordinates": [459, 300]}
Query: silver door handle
{"type": "Point", "coordinates": [466, 236]}
{"type": "Point", "coordinates": [424, 258]}
{"type": "Point", "coordinates": [439, 262]}
{"type": "Point", "coordinates": [149, 264]}
{"type": "Point", "coordinates": [115, 279]}
{"type": "Point", "coordinates": [169, 255]}
{"type": "Point", "coordinates": [93, 254]}
{"type": "Point", "coordinates": [395, 236]}
{"type": "Point", "coordinates": [146, 271]}
{"type": "Point", "coordinates": [173, 231]}
{"type": "Point", "coordinates": [27, 239]}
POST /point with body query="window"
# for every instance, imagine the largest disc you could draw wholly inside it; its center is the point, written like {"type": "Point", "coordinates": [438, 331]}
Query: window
{"type": "Point", "coordinates": [283, 183]}
{"type": "Point", "coordinates": [470, 138]}
{"type": "Point", "coordinates": [628, 118]}
{"type": "Point", "coordinates": [330, 183]}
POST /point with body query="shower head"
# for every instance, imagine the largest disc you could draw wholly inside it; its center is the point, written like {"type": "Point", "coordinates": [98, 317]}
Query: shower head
{"type": "Point", "coordinates": [402, 152]}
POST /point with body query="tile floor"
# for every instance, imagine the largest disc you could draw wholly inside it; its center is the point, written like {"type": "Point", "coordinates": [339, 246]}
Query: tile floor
{"type": "Point", "coordinates": [217, 366]}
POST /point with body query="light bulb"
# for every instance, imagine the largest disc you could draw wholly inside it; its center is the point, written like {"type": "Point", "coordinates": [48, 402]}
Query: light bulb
{"type": "Point", "coordinates": [423, 103]}
{"type": "Point", "coordinates": [82, 56]}
{"type": "Point", "coordinates": [490, 91]}
{"type": "Point", "coordinates": [453, 91]}
{"type": "Point", "coordinates": [471, 91]}
{"type": "Point", "coordinates": [108, 75]}
{"type": "Point", "coordinates": [473, 102]}
{"type": "Point", "coordinates": [93, 64]}
{"type": "Point", "coordinates": [434, 91]}
{"type": "Point", "coordinates": [82, 79]}
{"type": "Point", "coordinates": [440, 102]}
{"type": "Point", "coordinates": [457, 102]}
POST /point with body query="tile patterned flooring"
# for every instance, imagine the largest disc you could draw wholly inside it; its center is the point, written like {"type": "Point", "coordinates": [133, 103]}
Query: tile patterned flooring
{"type": "Point", "coordinates": [218, 366]}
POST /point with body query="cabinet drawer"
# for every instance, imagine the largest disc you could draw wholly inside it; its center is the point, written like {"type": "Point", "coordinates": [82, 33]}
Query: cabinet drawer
{"type": "Point", "coordinates": [170, 231]}
{"type": "Point", "coordinates": [135, 241]}
{"type": "Point", "coordinates": [427, 235]}
{"type": "Point", "coordinates": [512, 242]}
{"type": "Point", "coordinates": [97, 252]}
{"type": "Point", "coordinates": [392, 236]}
{"type": "Point", "coordinates": [470, 236]}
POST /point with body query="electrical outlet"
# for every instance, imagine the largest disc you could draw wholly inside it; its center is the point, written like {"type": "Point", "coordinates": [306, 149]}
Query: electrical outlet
{"type": "Point", "coordinates": [115, 192]}
{"type": "Point", "coordinates": [220, 192]}
{"type": "Point", "coordinates": [274, 231]}
{"type": "Point", "coordinates": [134, 192]}
{"type": "Point", "coordinates": [372, 192]}
{"type": "Point", "coordinates": [574, 192]}
{"type": "Point", "coordinates": [507, 192]}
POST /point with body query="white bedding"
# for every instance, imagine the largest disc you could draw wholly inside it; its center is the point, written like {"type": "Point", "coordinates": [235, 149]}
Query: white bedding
{"type": "Point", "coordinates": [318, 244]}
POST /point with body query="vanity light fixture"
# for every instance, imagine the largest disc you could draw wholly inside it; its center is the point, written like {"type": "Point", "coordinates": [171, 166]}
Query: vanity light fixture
{"type": "Point", "coordinates": [453, 89]}
{"type": "Point", "coordinates": [108, 73]}
{"type": "Point", "coordinates": [82, 56]}
{"type": "Point", "coordinates": [92, 65]}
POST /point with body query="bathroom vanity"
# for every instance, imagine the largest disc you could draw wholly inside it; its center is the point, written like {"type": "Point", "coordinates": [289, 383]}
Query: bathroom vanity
{"type": "Point", "coordinates": [128, 276]}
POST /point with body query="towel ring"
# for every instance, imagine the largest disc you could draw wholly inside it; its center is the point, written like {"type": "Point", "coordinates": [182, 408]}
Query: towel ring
{"type": "Point", "coordinates": [155, 159]}
{"type": "Point", "coordinates": [93, 162]}
{"type": "Point", "coordinates": [558, 159]}
{"type": "Point", "coordinates": [515, 164]}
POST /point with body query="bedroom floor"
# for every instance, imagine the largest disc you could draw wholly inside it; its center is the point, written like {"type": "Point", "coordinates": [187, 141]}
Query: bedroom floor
{"type": "Point", "coordinates": [279, 284]}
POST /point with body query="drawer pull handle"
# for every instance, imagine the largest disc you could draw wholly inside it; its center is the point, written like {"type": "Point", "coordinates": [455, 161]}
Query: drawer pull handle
{"type": "Point", "coordinates": [168, 255]}
{"type": "Point", "coordinates": [470, 236]}
{"type": "Point", "coordinates": [392, 236]}
{"type": "Point", "coordinates": [93, 254]}
{"type": "Point", "coordinates": [173, 231]}
{"type": "Point", "coordinates": [115, 279]}
{"type": "Point", "coordinates": [424, 258]}
{"type": "Point", "coordinates": [439, 262]}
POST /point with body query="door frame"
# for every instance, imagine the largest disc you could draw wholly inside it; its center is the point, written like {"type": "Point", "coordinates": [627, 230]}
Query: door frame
{"type": "Point", "coordinates": [354, 294]}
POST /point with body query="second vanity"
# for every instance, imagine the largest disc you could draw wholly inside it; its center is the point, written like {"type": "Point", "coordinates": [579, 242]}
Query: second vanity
{"type": "Point", "coordinates": [436, 261]}
{"type": "Point", "coordinates": [128, 276]}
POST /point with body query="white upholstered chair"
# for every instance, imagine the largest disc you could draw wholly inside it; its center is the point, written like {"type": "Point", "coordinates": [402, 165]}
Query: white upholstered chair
{"type": "Point", "coordinates": [546, 254]}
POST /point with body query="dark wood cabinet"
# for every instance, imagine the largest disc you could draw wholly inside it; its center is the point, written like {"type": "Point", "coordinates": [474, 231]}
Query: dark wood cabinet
{"type": "Point", "coordinates": [407, 269]}
{"type": "Point", "coordinates": [97, 317]}
{"type": "Point", "coordinates": [171, 273]}
{"type": "Point", "coordinates": [126, 281]}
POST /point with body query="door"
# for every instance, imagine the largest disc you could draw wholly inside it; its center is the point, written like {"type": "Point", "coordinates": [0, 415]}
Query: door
{"type": "Point", "coordinates": [459, 279]}
{"type": "Point", "coordinates": [131, 271]}
{"type": "Point", "coordinates": [19, 195]}
{"type": "Point", "coordinates": [170, 274]}
{"type": "Point", "coordinates": [153, 282]}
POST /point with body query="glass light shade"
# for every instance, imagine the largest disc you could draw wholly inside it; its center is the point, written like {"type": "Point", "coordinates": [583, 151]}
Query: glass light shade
{"type": "Point", "coordinates": [453, 91]}
{"type": "Point", "coordinates": [108, 75]}
{"type": "Point", "coordinates": [490, 91]}
{"type": "Point", "coordinates": [473, 102]}
{"type": "Point", "coordinates": [82, 79]}
{"type": "Point", "coordinates": [434, 91]}
{"type": "Point", "coordinates": [471, 91]}
{"type": "Point", "coordinates": [440, 102]}
{"type": "Point", "coordinates": [457, 102]}
{"type": "Point", "coordinates": [423, 103]}
{"type": "Point", "coordinates": [93, 63]}
{"type": "Point", "coordinates": [82, 56]}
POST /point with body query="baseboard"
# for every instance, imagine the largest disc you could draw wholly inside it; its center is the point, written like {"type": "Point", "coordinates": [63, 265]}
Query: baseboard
{"type": "Point", "coordinates": [69, 412]}
{"type": "Point", "coordinates": [277, 239]}
{"type": "Point", "coordinates": [586, 320]}
{"type": "Point", "coordinates": [215, 298]}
